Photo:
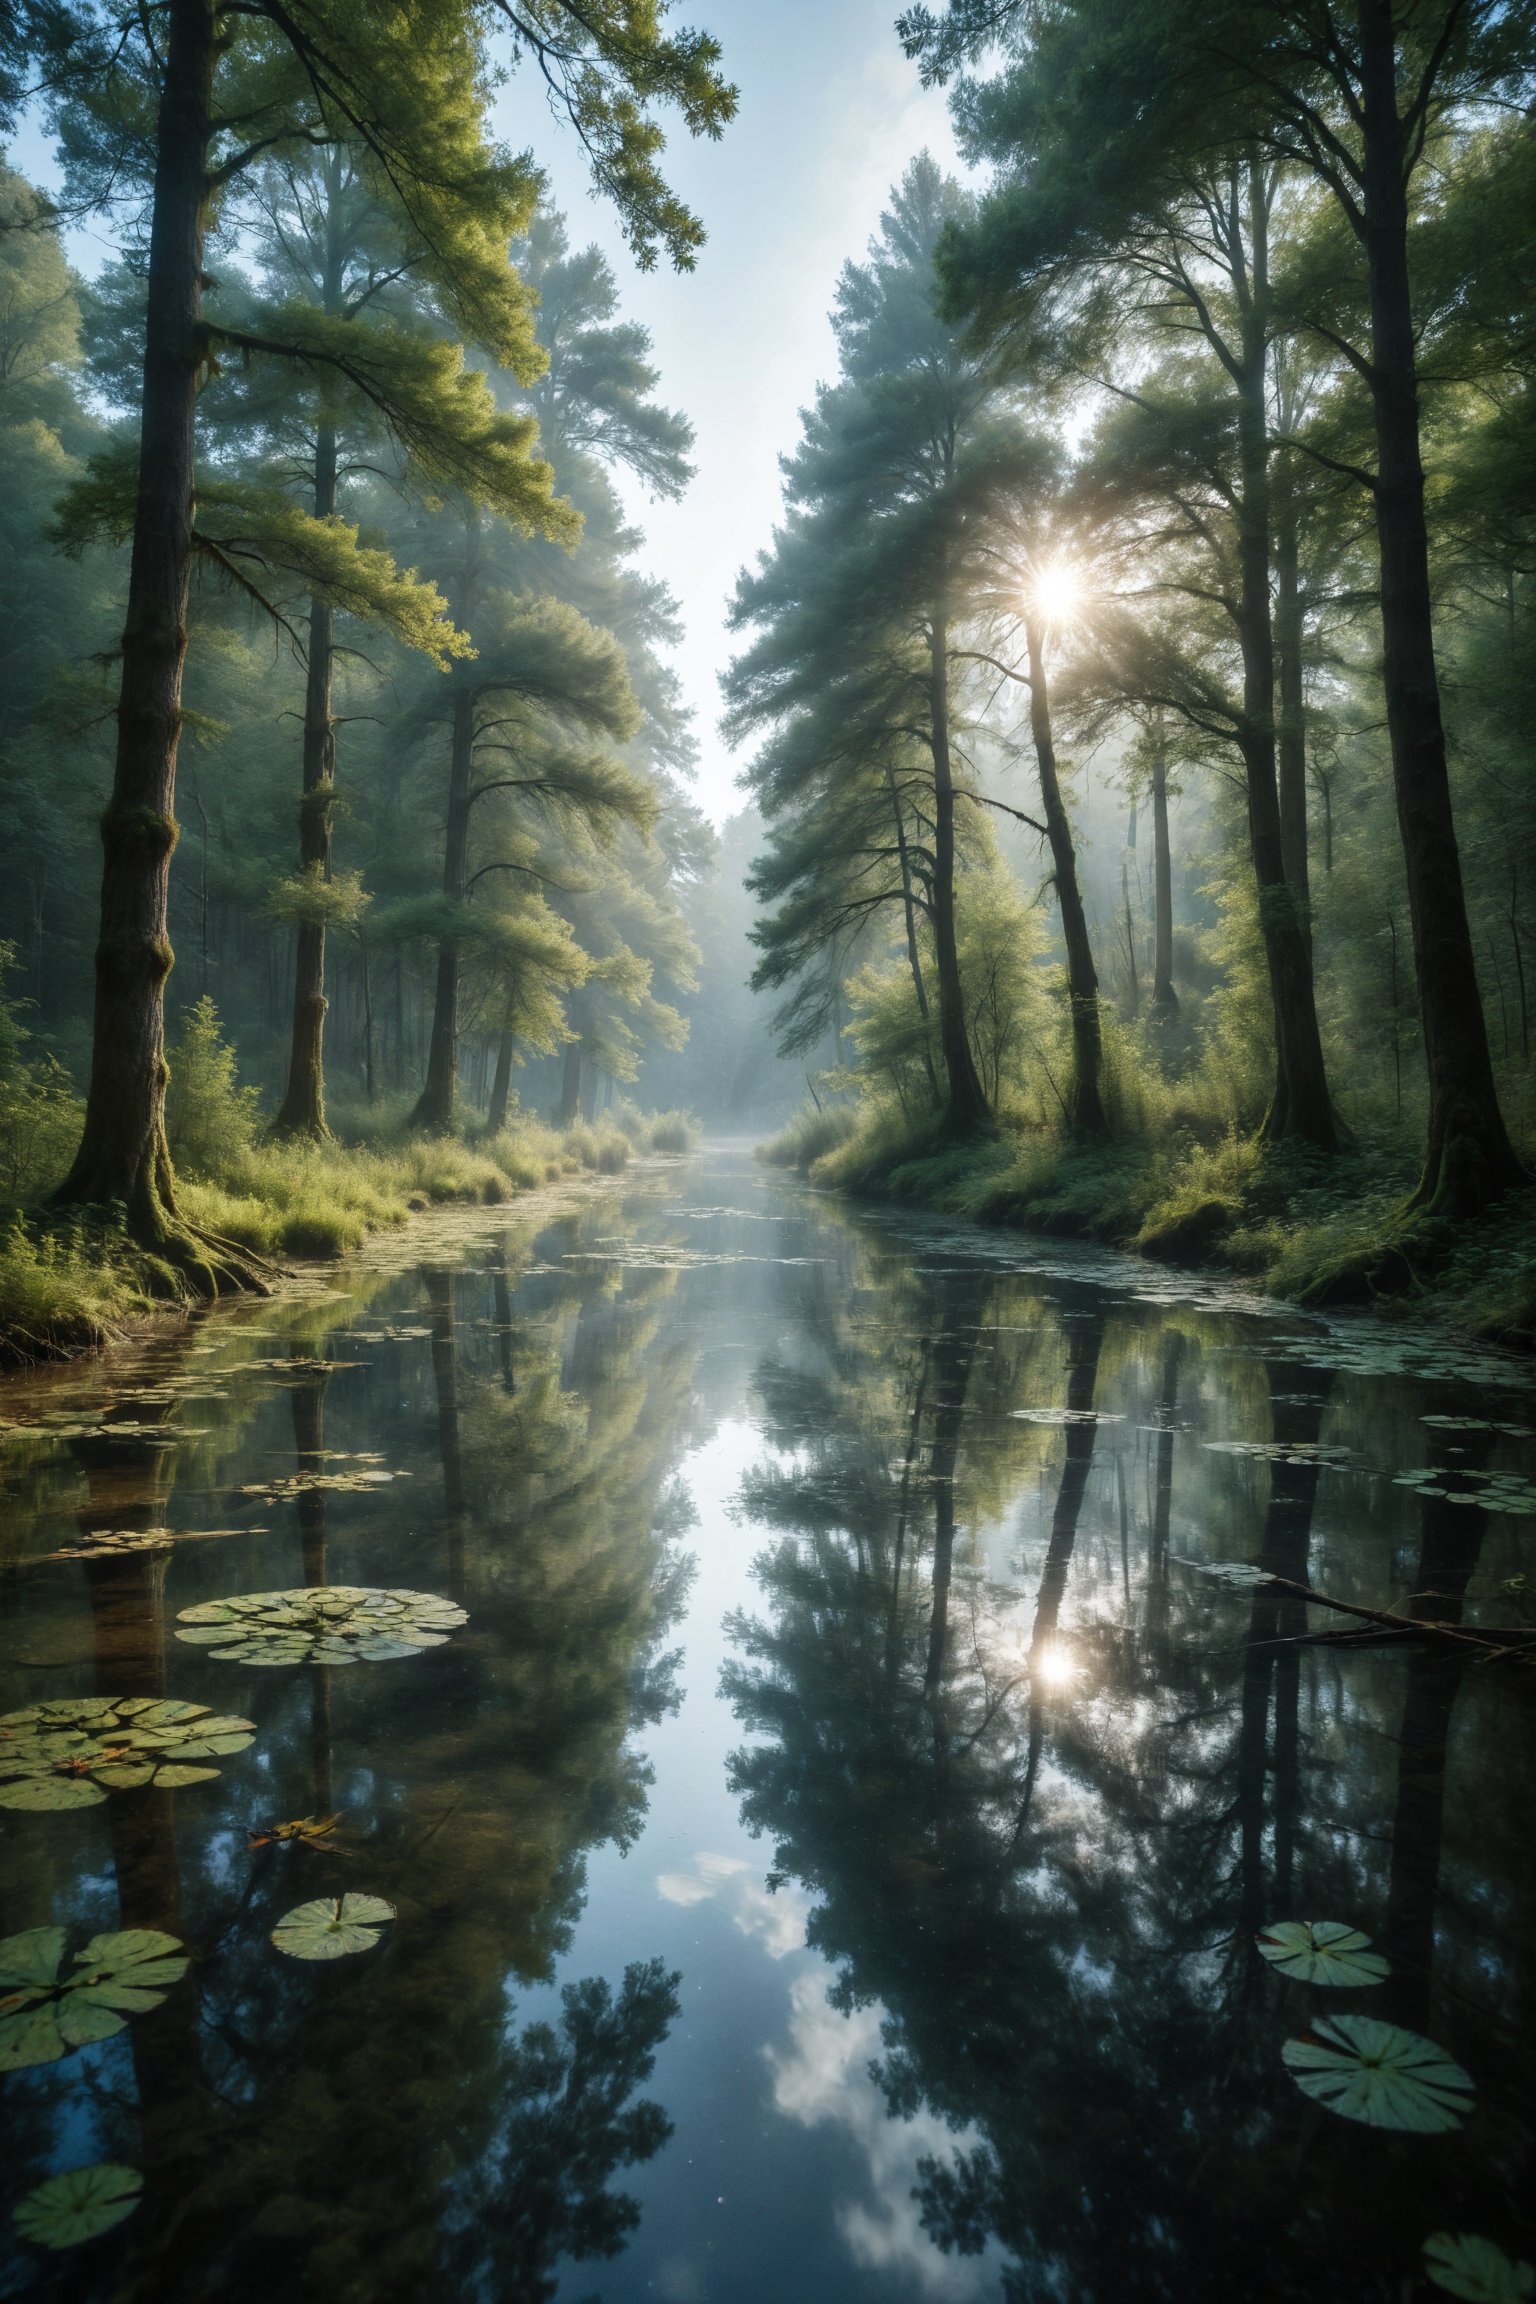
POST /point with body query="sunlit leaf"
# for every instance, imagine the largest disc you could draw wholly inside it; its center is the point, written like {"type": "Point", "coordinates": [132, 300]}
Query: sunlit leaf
{"type": "Point", "coordinates": [1379, 2074]}
{"type": "Point", "coordinates": [79, 2205]}
{"type": "Point", "coordinates": [1466, 2265]}
{"type": "Point", "coordinates": [1322, 1952]}
{"type": "Point", "coordinates": [331, 1927]}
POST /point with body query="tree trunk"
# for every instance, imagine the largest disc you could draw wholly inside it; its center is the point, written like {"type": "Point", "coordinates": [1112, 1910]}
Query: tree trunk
{"type": "Point", "coordinates": [569, 1108]}
{"type": "Point", "coordinates": [435, 1106]}
{"type": "Point", "coordinates": [1130, 938]}
{"type": "Point", "coordinates": [1301, 1109]}
{"type": "Point", "coordinates": [914, 956]}
{"type": "Point", "coordinates": [1165, 1001]}
{"type": "Point", "coordinates": [1085, 1102]}
{"type": "Point", "coordinates": [501, 1086]}
{"type": "Point", "coordinates": [1469, 1159]}
{"type": "Point", "coordinates": [302, 1112]}
{"type": "Point", "coordinates": [123, 1155]}
{"type": "Point", "coordinates": [1289, 641]}
{"type": "Point", "coordinates": [966, 1110]}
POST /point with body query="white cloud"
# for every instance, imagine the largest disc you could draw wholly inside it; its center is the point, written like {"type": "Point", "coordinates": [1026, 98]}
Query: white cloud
{"type": "Point", "coordinates": [776, 1921]}
{"type": "Point", "coordinates": [823, 2079]}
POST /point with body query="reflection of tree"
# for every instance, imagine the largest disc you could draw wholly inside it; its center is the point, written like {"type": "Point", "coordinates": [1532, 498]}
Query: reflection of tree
{"type": "Point", "coordinates": [1070, 1977]}
{"type": "Point", "coordinates": [380, 2122]}
{"type": "Point", "coordinates": [1450, 1541]}
{"type": "Point", "coordinates": [566, 2125]}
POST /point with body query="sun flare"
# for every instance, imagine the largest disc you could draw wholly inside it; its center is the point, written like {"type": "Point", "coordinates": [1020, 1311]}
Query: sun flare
{"type": "Point", "coordinates": [1058, 592]}
{"type": "Point", "coordinates": [1055, 1665]}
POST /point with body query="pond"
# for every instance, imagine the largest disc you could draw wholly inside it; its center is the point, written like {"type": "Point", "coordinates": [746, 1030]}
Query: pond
{"type": "Point", "coordinates": [817, 1826]}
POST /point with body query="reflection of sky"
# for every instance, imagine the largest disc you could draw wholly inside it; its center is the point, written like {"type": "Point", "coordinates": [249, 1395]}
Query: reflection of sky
{"type": "Point", "coordinates": [784, 2177]}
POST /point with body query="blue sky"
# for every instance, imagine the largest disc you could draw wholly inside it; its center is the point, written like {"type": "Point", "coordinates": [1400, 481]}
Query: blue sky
{"type": "Point", "coordinates": [831, 113]}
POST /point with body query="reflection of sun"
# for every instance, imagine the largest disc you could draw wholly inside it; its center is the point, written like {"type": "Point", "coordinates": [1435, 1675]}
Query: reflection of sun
{"type": "Point", "coordinates": [1055, 1666]}
{"type": "Point", "coordinates": [1058, 591]}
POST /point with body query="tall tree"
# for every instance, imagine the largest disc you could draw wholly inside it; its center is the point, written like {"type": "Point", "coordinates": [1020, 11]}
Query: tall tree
{"type": "Point", "coordinates": [224, 87]}
{"type": "Point", "coordinates": [866, 608]}
{"type": "Point", "coordinates": [1353, 95]}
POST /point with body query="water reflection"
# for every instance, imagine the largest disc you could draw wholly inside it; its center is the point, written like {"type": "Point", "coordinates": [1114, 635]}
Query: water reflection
{"type": "Point", "coordinates": [382, 2126]}
{"type": "Point", "coordinates": [910, 1963]}
{"type": "Point", "coordinates": [1040, 1818]}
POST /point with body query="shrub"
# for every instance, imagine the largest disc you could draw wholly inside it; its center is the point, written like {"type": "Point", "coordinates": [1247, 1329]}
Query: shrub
{"type": "Point", "coordinates": [210, 1120]}
{"type": "Point", "coordinates": [811, 1134]}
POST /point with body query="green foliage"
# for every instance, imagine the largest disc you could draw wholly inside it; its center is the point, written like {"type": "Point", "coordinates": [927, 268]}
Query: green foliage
{"type": "Point", "coordinates": [210, 1119]}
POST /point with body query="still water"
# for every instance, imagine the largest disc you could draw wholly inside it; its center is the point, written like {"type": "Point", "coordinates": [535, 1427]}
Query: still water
{"type": "Point", "coordinates": [827, 1858]}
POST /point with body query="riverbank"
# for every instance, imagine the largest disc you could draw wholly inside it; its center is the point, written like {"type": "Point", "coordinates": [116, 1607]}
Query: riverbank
{"type": "Point", "coordinates": [73, 1285]}
{"type": "Point", "coordinates": [1312, 1230]}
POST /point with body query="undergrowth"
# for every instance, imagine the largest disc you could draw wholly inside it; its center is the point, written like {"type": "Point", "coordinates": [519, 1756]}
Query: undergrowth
{"type": "Point", "coordinates": [68, 1284]}
{"type": "Point", "coordinates": [1315, 1229]}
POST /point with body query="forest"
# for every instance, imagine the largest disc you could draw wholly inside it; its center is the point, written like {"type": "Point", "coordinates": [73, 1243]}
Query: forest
{"type": "Point", "coordinates": [767, 1151]}
{"type": "Point", "coordinates": [1133, 834]}
{"type": "Point", "coordinates": [1144, 664]}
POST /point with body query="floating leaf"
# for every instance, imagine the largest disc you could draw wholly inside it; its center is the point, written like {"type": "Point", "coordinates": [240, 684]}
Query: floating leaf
{"type": "Point", "coordinates": [1322, 1952]}
{"type": "Point", "coordinates": [1241, 1575]}
{"type": "Point", "coordinates": [332, 1927]}
{"type": "Point", "coordinates": [79, 2205]}
{"type": "Point", "coordinates": [1466, 2265]}
{"type": "Point", "coordinates": [320, 1484]}
{"type": "Point", "coordinates": [44, 2013]}
{"type": "Point", "coordinates": [1063, 1416]}
{"type": "Point", "coordinates": [1318, 1453]}
{"type": "Point", "coordinates": [1380, 2074]}
{"type": "Point", "coordinates": [320, 1624]}
{"type": "Point", "coordinates": [72, 1751]}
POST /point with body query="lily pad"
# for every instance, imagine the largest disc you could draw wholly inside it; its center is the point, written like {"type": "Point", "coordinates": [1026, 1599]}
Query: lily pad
{"type": "Point", "coordinates": [332, 1927]}
{"type": "Point", "coordinates": [1464, 2264]}
{"type": "Point", "coordinates": [79, 2205]}
{"type": "Point", "coordinates": [1315, 1452]}
{"type": "Point", "coordinates": [107, 1543]}
{"type": "Point", "coordinates": [320, 1484]}
{"type": "Point", "coordinates": [71, 1751]}
{"type": "Point", "coordinates": [1241, 1575]}
{"type": "Point", "coordinates": [320, 1624]}
{"type": "Point", "coordinates": [1381, 2075]}
{"type": "Point", "coordinates": [45, 2012]}
{"type": "Point", "coordinates": [1322, 1952]}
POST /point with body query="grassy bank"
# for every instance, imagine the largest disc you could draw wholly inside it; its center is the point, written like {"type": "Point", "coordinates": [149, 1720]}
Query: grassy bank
{"type": "Point", "coordinates": [1314, 1230]}
{"type": "Point", "coordinates": [68, 1285]}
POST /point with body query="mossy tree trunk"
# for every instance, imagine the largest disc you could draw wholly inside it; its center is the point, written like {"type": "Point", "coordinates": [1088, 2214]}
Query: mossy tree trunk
{"type": "Point", "coordinates": [966, 1109]}
{"type": "Point", "coordinates": [436, 1107]}
{"type": "Point", "coordinates": [1301, 1107]}
{"type": "Point", "coordinates": [302, 1112]}
{"type": "Point", "coordinates": [1292, 735]}
{"type": "Point", "coordinates": [1085, 1100]}
{"type": "Point", "coordinates": [1468, 1157]}
{"type": "Point", "coordinates": [501, 1086]}
{"type": "Point", "coordinates": [123, 1157]}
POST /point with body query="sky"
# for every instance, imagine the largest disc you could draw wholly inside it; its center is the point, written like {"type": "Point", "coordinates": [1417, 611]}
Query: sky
{"type": "Point", "coordinates": [830, 115]}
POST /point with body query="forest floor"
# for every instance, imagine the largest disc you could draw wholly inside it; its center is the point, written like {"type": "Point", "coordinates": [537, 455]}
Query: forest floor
{"type": "Point", "coordinates": [73, 1283]}
{"type": "Point", "coordinates": [1315, 1230]}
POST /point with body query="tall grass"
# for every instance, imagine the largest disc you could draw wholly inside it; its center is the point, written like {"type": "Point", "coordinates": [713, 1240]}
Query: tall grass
{"type": "Point", "coordinates": [67, 1285]}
